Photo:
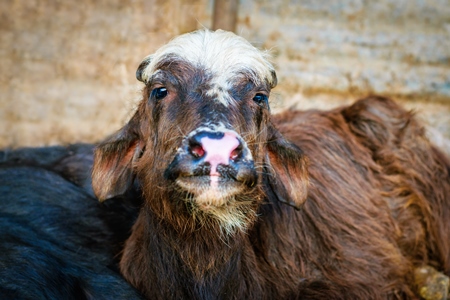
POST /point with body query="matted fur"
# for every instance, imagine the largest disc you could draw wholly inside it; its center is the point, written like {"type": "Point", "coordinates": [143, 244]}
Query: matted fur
{"type": "Point", "coordinates": [343, 204]}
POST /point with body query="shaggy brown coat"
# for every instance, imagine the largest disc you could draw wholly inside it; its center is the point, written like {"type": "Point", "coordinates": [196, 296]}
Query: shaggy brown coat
{"type": "Point", "coordinates": [343, 204]}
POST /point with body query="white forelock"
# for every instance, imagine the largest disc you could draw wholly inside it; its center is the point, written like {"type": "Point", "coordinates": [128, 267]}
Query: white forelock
{"type": "Point", "coordinates": [221, 53]}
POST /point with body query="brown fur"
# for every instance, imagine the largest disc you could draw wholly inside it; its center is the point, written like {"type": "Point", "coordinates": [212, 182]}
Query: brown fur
{"type": "Point", "coordinates": [346, 204]}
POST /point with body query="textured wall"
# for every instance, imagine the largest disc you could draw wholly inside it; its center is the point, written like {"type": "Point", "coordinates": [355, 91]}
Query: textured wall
{"type": "Point", "coordinates": [331, 52]}
{"type": "Point", "coordinates": [67, 67]}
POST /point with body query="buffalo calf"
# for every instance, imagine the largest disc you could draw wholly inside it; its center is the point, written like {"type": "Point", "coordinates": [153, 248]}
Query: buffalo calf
{"type": "Point", "coordinates": [239, 204]}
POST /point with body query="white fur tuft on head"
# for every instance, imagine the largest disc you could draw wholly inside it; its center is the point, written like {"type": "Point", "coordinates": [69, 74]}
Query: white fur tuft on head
{"type": "Point", "coordinates": [221, 53]}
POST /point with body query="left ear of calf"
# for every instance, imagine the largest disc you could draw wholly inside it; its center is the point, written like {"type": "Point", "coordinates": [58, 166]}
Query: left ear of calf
{"type": "Point", "coordinates": [289, 169]}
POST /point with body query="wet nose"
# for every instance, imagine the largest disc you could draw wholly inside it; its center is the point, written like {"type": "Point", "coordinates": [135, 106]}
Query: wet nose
{"type": "Point", "coordinates": [215, 148]}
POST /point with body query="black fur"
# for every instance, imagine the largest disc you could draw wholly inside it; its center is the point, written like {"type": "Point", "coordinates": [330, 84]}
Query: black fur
{"type": "Point", "coordinates": [56, 240]}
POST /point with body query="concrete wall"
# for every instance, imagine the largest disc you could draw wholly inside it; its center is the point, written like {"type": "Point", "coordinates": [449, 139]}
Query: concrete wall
{"type": "Point", "coordinates": [67, 67]}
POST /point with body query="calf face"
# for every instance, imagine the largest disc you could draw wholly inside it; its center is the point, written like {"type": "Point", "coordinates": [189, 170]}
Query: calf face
{"type": "Point", "coordinates": [201, 141]}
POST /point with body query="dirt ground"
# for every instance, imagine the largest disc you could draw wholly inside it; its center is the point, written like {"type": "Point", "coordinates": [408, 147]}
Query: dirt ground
{"type": "Point", "coordinates": [67, 68]}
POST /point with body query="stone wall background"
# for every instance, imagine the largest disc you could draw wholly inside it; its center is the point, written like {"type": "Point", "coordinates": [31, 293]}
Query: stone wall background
{"type": "Point", "coordinates": [67, 67]}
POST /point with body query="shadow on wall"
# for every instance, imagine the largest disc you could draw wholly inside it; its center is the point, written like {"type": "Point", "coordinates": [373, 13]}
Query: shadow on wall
{"type": "Point", "coordinates": [67, 71]}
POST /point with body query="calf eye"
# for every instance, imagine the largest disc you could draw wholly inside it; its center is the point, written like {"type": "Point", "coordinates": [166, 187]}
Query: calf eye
{"type": "Point", "coordinates": [260, 98]}
{"type": "Point", "coordinates": [159, 93]}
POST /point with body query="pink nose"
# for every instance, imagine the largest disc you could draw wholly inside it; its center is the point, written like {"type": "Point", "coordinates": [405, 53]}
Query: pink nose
{"type": "Point", "coordinates": [216, 149]}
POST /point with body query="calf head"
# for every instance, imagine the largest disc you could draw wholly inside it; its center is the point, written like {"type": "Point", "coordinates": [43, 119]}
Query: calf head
{"type": "Point", "coordinates": [201, 142]}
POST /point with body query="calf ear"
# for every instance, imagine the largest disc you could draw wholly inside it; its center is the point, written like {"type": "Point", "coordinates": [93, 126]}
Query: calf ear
{"type": "Point", "coordinates": [112, 173]}
{"type": "Point", "coordinates": [141, 75]}
{"type": "Point", "coordinates": [288, 167]}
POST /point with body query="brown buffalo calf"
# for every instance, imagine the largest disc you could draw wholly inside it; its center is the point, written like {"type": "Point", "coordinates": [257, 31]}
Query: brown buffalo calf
{"type": "Point", "coordinates": [239, 204]}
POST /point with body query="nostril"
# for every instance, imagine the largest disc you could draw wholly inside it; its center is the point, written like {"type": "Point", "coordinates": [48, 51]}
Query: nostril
{"type": "Point", "coordinates": [235, 153]}
{"type": "Point", "coordinates": [197, 150]}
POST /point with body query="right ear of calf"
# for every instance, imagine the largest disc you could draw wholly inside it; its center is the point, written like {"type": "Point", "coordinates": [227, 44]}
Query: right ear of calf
{"type": "Point", "coordinates": [113, 173]}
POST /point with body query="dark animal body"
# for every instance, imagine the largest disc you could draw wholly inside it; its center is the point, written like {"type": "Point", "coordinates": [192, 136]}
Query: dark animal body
{"type": "Point", "coordinates": [239, 204]}
{"type": "Point", "coordinates": [56, 241]}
